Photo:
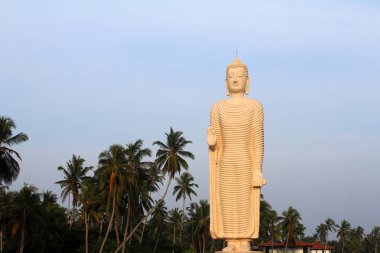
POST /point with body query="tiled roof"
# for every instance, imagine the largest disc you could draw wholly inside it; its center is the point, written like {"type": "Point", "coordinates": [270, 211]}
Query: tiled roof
{"type": "Point", "coordinates": [313, 245]}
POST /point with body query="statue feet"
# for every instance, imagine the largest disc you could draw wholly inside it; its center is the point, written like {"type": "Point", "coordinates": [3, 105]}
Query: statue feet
{"type": "Point", "coordinates": [229, 249]}
{"type": "Point", "coordinates": [237, 246]}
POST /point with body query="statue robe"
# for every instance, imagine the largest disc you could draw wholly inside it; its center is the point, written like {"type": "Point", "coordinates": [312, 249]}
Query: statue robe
{"type": "Point", "coordinates": [237, 155]}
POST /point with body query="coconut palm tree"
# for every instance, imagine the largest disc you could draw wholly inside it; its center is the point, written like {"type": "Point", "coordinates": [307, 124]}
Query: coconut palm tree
{"type": "Point", "coordinates": [6, 199]}
{"type": "Point", "coordinates": [322, 233]}
{"type": "Point", "coordinates": [175, 219]}
{"type": "Point", "coordinates": [330, 227]}
{"type": "Point", "coordinates": [112, 164]}
{"type": "Point", "coordinates": [74, 174]}
{"type": "Point", "coordinates": [183, 188]}
{"type": "Point", "coordinates": [200, 216]}
{"type": "Point", "coordinates": [153, 180]}
{"type": "Point", "coordinates": [356, 239]}
{"type": "Point", "coordinates": [170, 159]}
{"type": "Point", "coordinates": [274, 229]}
{"type": "Point", "coordinates": [344, 230]}
{"type": "Point", "coordinates": [268, 219]}
{"type": "Point", "coordinates": [9, 167]}
{"type": "Point", "coordinates": [374, 237]}
{"type": "Point", "coordinates": [290, 222]}
{"type": "Point", "coordinates": [26, 214]}
{"type": "Point", "coordinates": [91, 197]}
{"type": "Point", "coordinates": [137, 175]}
{"type": "Point", "coordinates": [54, 220]}
{"type": "Point", "coordinates": [157, 222]}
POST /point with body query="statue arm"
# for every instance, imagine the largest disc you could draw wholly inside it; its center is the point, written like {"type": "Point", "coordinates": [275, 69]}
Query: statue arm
{"type": "Point", "coordinates": [258, 146]}
{"type": "Point", "coordinates": [215, 146]}
{"type": "Point", "coordinates": [214, 130]}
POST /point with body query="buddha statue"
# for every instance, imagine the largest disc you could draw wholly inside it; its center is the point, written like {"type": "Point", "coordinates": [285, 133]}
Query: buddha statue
{"type": "Point", "coordinates": [236, 148]}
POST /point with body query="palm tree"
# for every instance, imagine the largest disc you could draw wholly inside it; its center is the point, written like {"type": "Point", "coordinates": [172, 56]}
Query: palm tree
{"type": "Point", "coordinates": [375, 237]}
{"type": "Point", "coordinates": [112, 164]}
{"type": "Point", "coordinates": [343, 234]}
{"type": "Point", "coordinates": [268, 221]}
{"type": "Point", "coordinates": [273, 228]}
{"type": "Point", "coordinates": [137, 187]}
{"type": "Point", "coordinates": [322, 233]}
{"type": "Point", "coordinates": [6, 199]}
{"type": "Point", "coordinates": [200, 216]}
{"type": "Point", "coordinates": [330, 226]}
{"type": "Point", "coordinates": [26, 213]}
{"type": "Point", "coordinates": [290, 221]}
{"type": "Point", "coordinates": [154, 178]}
{"type": "Point", "coordinates": [74, 174]}
{"type": "Point", "coordinates": [90, 197]}
{"type": "Point", "coordinates": [54, 220]}
{"type": "Point", "coordinates": [157, 222]}
{"type": "Point", "coordinates": [356, 238]}
{"type": "Point", "coordinates": [170, 159]}
{"type": "Point", "coordinates": [184, 187]}
{"type": "Point", "coordinates": [175, 219]}
{"type": "Point", "coordinates": [9, 167]}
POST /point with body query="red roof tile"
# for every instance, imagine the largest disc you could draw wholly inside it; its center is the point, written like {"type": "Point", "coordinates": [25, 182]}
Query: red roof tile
{"type": "Point", "coordinates": [314, 245]}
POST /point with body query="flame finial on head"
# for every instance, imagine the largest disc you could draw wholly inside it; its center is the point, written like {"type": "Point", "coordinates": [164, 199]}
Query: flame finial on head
{"type": "Point", "coordinates": [237, 63]}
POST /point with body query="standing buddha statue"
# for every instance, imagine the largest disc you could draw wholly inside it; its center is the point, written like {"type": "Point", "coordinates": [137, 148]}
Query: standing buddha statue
{"type": "Point", "coordinates": [236, 148]}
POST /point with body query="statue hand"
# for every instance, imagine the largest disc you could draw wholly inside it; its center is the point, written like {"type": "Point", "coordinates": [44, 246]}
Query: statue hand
{"type": "Point", "coordinates": [211, 137]}
{"type": "Point", "coordinates": [258, 180]}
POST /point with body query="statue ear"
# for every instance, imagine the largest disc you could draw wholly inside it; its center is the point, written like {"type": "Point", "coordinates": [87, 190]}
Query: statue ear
{"type": "Point", "coordinates": [227, 90]}
{"type": "Point", "coordinates": [246, 89]}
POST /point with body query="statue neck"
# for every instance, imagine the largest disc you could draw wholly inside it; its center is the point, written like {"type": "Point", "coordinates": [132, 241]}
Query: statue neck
{"type": "Point", "coordinates": [237, 95]}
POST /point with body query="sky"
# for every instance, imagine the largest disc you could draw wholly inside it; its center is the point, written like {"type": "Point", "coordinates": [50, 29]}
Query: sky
{"type": "Point", "coordinates": [80, 76]}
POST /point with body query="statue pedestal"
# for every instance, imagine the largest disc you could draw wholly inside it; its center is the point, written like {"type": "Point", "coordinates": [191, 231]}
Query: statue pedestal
{"type": "Point", "coordinates": [238, 252]}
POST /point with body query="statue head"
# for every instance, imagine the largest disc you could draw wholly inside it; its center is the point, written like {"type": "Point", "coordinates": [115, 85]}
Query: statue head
{"type": "Point", "coordinates": [237, 79]}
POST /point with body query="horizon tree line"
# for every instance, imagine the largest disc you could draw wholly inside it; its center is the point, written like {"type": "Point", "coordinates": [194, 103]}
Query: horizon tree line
{"type": "Point", "coordinates": [113, 210]}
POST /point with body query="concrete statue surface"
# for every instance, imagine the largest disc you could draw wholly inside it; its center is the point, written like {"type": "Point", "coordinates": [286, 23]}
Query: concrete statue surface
{"type": "Point", "coordinates": [236, 149]}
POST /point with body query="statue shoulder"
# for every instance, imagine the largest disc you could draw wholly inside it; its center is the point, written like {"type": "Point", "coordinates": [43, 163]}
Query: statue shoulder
{"type": "Point", "coordinates": [217, 105]}
{"type": "Point", "coordinates": [256, 103]}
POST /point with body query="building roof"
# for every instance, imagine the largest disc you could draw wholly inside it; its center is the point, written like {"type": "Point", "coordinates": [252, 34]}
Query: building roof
{"type": "Point", "coordinates": [317, 245]}
{"type": "Point", "coordinates": [313, 245]}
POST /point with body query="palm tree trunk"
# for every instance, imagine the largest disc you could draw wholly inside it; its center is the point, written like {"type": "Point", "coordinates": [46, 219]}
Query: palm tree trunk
{"type": "Point", "coordinates": [21, 250]}
{"type": "Point", "coordinates": [376, 247]}
{"type": "Point", "coordinates": [127, 226]}
{"type": "Point", "coordinates": [116, 231]}
{"type": "Point", "coordinates": [212, 246]}
{"type": "Point", "coordinates": [272, 240]}
{"type": "Point", "coordinates": [72, 215]}
{"type": "Point", "coordinates": [86, 224]}
{"type": "Point", "coordinates": [182, 218]}
{"type": "Point", "coordinates": [142, 233]}
{"type": "Point", "coordinates": [100, 229]}
{"type": "Point", "coordinates": [43, 244]}
{"type": "Point", "coordinates": [204, 244]}
{"type": "Point", "coordinates": [69, 213]}
{"type": "Point", "coordinates": [1, 240]}
{"type": "Point", "coordinates": [110, 222]}
{"type": "Point", "coordinates": [155, 246]}
{"type": "Point", "coordinates": [173, 238]}
{"type": "Point", "coordinates": [145, 217]}
{"type": "Point", "coordinates": [192, 237]}
{"type": "Point", "coordinates": [287, 240]}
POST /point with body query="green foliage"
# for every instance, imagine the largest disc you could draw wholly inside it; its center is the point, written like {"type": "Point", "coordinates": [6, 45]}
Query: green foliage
{"type": "Point", "coordinates": [170, 156]}
{"type": "Point", "coordinates": [118, 200]}
{"type": "Point", "coordinates": [9, 167]}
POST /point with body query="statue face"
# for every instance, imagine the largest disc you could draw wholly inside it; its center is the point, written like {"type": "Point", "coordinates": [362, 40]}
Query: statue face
{"type": "Point", "coordinates": [237, 80]}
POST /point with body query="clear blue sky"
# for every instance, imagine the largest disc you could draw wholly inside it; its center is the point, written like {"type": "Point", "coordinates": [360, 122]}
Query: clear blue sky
{"type": "Point", "coordinates": [80, 76]}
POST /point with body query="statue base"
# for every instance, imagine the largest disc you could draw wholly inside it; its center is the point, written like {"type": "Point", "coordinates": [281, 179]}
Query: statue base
{"type": "Point", "coordinates": [238, 252]}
